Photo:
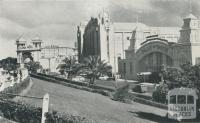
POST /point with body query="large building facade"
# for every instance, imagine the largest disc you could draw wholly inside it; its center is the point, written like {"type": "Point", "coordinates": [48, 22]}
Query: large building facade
{"type": "Point", "coordinates": [150, 53]}
{"type": "Point", "coordinates": [112, 40]}
{"type": "Point", "coordinates": [102, 37]}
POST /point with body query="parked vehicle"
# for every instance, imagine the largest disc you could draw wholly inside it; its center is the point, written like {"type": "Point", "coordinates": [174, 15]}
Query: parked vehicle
{"type": "Point", "coordinates": [103, 77]}
{"type": "Point", "coordinates": [78, 78]}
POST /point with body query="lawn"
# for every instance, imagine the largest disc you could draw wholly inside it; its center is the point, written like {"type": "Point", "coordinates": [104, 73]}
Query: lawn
{"type": "Point", "coordinates": [93, 106]}
{"type": "Point", "coordinates": [4, 120]}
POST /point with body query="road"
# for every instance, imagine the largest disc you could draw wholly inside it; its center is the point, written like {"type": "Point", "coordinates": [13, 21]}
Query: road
{"type": "Point", "coordinates": [92, 106]}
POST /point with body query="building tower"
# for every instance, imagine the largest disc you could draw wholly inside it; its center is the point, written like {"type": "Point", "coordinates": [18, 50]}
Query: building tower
{"type": "Point", "coordinates": [25, 50]}
{"type": "Point", "coordinates": [80, 32]}
{"type": "Point", "coordinates": [37, 45]}
{"type": "Point", "coordinates": [104, 25]}
{"type": "Point", "coordinates": [190, 39]}
{"type": "Point", "coordinates": [21, 44]}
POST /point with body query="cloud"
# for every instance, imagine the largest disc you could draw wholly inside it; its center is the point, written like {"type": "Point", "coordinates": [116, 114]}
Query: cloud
{"type": "Point", "coordinates": [10, 29]}
{"type": "Point", "coordinates": [55, 21]}
{"type": "Point", "coordinates": [8, 48]}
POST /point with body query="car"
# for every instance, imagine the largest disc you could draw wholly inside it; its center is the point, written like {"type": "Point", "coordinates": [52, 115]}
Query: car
{"type": "Point", "coordinates": [103, 77]}
{"type": "Point", "coordinates": [78, 78]}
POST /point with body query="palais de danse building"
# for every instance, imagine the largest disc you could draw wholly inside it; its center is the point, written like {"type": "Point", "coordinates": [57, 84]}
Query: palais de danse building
{"type": "Point", "coordinates": [133, 48]}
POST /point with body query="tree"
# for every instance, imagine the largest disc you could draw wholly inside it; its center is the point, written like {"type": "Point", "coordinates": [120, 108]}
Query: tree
{"type": "Point", "coordinates": [94, 68]}
{"type": "Point", "coordinates": [33, 66]}
{"type": "Point", "coordinates": [9, 64]}
{"type": "Point", "coordinates": [187, 75]}
{"type": "Point", "coordinates": [69, 66]}
{"type": "Point", "coordinates": [159, 95]}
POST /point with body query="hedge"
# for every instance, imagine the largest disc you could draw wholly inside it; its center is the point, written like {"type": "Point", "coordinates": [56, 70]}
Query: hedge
{"type": "Point", "coordinates": [75, 82]}
{"type": "Point", "coordinates": [137, 89]}
{"type": "Point", "coordinates": [24, 113]}
{"type": "Point", "coordinates": [146, 101]}
{"type": "Point", "coordinates": [140, 95]}
{"type": "Point", "coordinates": [121, 93]}
{"type": "Point", "coordinates": [20, 112]}
{"type": "Point", "coordinates": [54, 117]}
{"type": "Point", "coordinates": [64, 83]}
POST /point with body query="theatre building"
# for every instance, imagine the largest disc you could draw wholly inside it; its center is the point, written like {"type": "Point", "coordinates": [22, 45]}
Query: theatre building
{"type": "Point", "coordinates": [147, 53]}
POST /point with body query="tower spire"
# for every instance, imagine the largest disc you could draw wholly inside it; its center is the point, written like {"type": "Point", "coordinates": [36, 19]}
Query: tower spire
{"type": "Point", "coordinates": [190, 7]}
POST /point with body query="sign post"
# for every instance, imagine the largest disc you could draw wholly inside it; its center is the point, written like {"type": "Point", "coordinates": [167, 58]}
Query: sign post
{"type": "Point", "coordinates": [45, 107]}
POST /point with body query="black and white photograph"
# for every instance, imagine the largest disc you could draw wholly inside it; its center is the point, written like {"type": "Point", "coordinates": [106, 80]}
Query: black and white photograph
{"type": "Point", "coordinates": [99, 61]}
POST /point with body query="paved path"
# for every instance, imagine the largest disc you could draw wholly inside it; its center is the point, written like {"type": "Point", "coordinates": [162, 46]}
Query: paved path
{"type": "Point", "coordinates": [93, 106]}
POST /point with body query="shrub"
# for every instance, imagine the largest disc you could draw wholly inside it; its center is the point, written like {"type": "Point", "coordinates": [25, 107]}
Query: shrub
{"type": "Point", "coordinates": [137, 89]}
{"type": "Point", "coordinates": [20, 112]}
{"type": "Point", "coordinates": [54, 117]}
{"type": "Point", "coordinates": [99, 91]}
{"type": "Point", "coordinates": [121, 93]}
{"type": "Point", "coordinates": [159, 95]}
{"type": "Point", "coordinates": [24, 113]}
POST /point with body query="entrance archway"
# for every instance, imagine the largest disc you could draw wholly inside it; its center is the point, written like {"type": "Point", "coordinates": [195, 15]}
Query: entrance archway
{"type": "Point", "coordinates": [153, 61]}
{"type": "Point", "coordinates": [26, 55]}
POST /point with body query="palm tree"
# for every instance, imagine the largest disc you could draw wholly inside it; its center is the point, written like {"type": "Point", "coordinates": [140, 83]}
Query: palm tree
{"type": "Point", "coordinates": [69, 66]}
{"type": "Point", "coordinates": [94, 68]}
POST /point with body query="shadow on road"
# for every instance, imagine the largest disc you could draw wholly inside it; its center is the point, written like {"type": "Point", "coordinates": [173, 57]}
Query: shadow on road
{"type": "Point", "coordinates": [159, 119]}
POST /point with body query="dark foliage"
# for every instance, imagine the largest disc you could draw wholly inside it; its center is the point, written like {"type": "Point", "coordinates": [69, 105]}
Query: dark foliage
{"type": "Point", "coordinates": [70, 66]}
{"type": "Point", "coordinates": [94, 68]}
{"type": "Point", "coordinates": [33, 66]}
{"type": "Point", "coordinates": [121, 93]}
{"type": "Point", "coordinates": [137, 89]}
{"type": "Point", "coordinates": [160, 94]}
{"type": "Point", "coordinates": [154, 77]}
{"type": "Point", "coordinates": [54, 117]}
{"type": "Point", "coordinates": [9, 64]}
{"type": "Point", "coordinates": [20, 112]}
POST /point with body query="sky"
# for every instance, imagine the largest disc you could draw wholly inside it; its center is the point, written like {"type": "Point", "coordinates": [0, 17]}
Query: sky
{"type": "Point", "coordinates": [55, 21]}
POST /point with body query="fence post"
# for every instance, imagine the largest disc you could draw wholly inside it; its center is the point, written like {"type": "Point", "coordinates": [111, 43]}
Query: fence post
{"type": "Point", "coordinates": [45, 107]}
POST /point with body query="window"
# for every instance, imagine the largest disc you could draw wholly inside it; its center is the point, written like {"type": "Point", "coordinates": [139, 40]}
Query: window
{"type": "Point", "coordinates": [181, 99]}
{"type": "Point", "coordinates": [107, 37]}
{"type": "Point", "coordinates": [190, 99]}
{"type": "Point", "coordinates": [173, 99]}
{"type": "Point", "coordinates": [124, 68]}
{"type": "Point", "coordinates": [197, 60]}
{"type": "Point", "coordinates": [127, 38]}
{"type": "Point", "coordinates": [131, 69]}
